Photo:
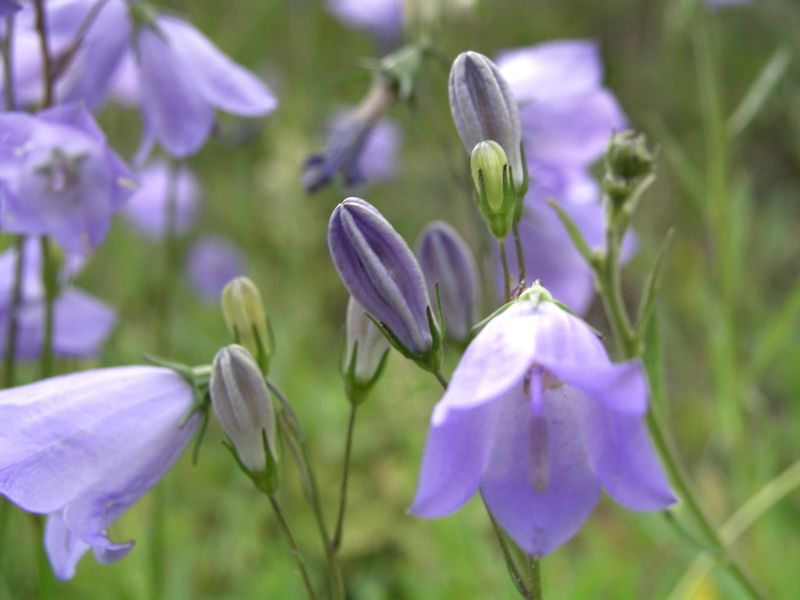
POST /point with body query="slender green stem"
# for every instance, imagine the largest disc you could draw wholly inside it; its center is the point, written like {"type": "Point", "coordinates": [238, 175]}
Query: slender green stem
{"type": "Point", "coordinates": [535, 578]}
{"type": "Point", "coordinates": [290, 539]}
{"type": "Point", "coordinates": [513, 570]}
{"type": "Point", "coordinates": [772, 493]}
{"type": "Point", "coordinates": [50, 284]}
{"type": "Point", "coordinates": [520, 254]}
{"type": "Point", "coordinates": [506, 273]}
{"type": "Point", "coordinates": [441, 379]}
{"type": "Point", "coordinates": [13, 322]}
{"type": "Point", "coordinates": [611, 291]}
{"type": "Point", "coordinates": [299, 450]}
{"type": "Point", "coordinates": [157, 541]}
{"type": "Point", "coordinates": [337, 536]}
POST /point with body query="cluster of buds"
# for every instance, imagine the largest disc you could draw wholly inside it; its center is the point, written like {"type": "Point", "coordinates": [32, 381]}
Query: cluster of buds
{"type": "Point", "coordinates": [629, 167]}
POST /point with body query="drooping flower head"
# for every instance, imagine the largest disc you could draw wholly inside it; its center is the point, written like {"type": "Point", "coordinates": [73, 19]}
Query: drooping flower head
{"type": "Point", "coordinates": [539, 420]}
{"type": "Point", "coordinates": [158, 184]}
{"type": "Point", "coordinates": [60, 177]}
{"type": "Point", "coordinates": [84, 447]}
{"type": "Point", "coordinates": [448, 264]}
{"type": "Point", "coordinates": [213, 261]}
{"type": "Point", "coordinates": [354, 139]}
{"type": "Point", "coordinates": [380, 271]}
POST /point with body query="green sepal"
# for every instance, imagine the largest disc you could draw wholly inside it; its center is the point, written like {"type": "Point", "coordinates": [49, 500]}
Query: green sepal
{"type": "Point", "coordinates": [267, 480]}
{"type": "Point", "coordinates": [356, 391]}
{"type": "Point", "coordinates": [403, 66]}
{"type": "Point", "coordinates": [430, 360]}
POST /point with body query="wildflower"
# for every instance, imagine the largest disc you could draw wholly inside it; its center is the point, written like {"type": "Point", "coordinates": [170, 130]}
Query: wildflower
{"type": "Point", "coordinates": [448, 264]}
{"type": "Point", "coordinates": [82, 448]}
{"type": "Point", "coordinates": [213, 261]}
{"type": "Point", "coordinates": [147, 208]}
{"type": "Point", "coordinates": [246, 319]}
{"type": "Point", "coordinates": [366, 352]}
{"type": "Point", "coordinates": [484, 108]}
{"type": "Point", "coordinates": [243, 407]}
{"type": "Point", "coordinates": [380, 271]}
{"type": "Point", "coordinates": [354, 138]}
{"type": "Point", "coordinates": [539, 419]}
{"type": "Point", "coordinates": [61, 177]}
{"type": "Point", "coordinates": [8, 7]}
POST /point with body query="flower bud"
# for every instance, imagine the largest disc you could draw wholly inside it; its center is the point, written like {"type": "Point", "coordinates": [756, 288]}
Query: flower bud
{"type": "Point", "coordinates": [243, 311]}
{"type": "Point", "coordinates": [483, 108]}
{"type": "Point", "coordinates": [448, 264]}
{"type": "Point", "coordinates": [628, 156]}
{"type": "Point", "coordinates": [244, 409]}
{"type": "Point", "coordinates": [497, 201]}
{"type": "Point", "coordinates": [367, 350]}
{"type": "Point", "coordinates": [380, 271]}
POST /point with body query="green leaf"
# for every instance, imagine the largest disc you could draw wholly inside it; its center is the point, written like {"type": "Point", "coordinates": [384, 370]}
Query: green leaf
{"type": "Point", "coordinates": [760, 90]}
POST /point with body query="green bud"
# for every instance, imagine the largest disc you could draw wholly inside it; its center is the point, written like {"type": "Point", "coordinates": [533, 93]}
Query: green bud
{"type": "Point", "coordinates": [243, 311]}
{"type": "Point", "coordinates": [492, 176]}
{"type": "Point", "coordinates": [628, 156]}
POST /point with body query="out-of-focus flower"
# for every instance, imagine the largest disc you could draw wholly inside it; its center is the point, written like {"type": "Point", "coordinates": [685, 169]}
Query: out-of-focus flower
{"type": "Point", "coordinates": [244, 409]}
{"type": "Point", "coordinates": [366, 349]}
{"type": "Point", "coordinates": [484, 108]}
{"type": "Point", "coordinates": [360, 145]}
{"type": "Point", "coordinates": [380, 271]}
{"type": "Point", "coordinates": [567, 119]}
{"type": "Point", "coordinates": [147, 208]}
{"type": "Point", "coordinates": [213, 261]}
{"type": "Point", "coordinates": [182, 77]}
{"type": "Point", "coordinates": [82, 448]}
{"type": "Point", "coordinates": [448, 264]}
{"type": "Point", "coordinates": [8, 7]}
{"type": "Point", "coordinates": [81, 323]}
{"type": "Point", "coordinates": [381, 18]}
{"type": "Point", "coordinates": [724, 3]}
{"type": "Point", "coordinates": [61, 177]}
{"type": "Point", "coordinates": [539, 419]}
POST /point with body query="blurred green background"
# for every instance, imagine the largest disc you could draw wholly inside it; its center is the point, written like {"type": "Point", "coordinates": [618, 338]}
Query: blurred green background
{"type": "Point", "coordinates": [730, 354]}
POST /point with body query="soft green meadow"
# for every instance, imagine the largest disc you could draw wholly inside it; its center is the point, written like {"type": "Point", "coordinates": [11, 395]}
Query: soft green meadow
{"type": "Point", "coordinates": [718, 93]}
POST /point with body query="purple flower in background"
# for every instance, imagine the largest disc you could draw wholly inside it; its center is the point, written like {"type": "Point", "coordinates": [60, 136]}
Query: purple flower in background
{"type": "Point", "coordinates": [213, 262]}
{"type": "Point", "coordinates": [147, 208]}
{"type": "Point", "coordinates": [539, 419]}
{"type": "Point", "coordinates": [84, 447]}
{"type": "Point", "coordinates": [61, 177]}
{"type": "Point", "coordinates": [8, 7]}
{"type": "Point", "coordinates": [567, 119]}
{"type": "Point", "coordinates": [181, 76]}
{"type": "Point", "coordinates": [382, 274]}
{"type": "Point", "coordinates": [361, 146]}
{"type": "Point", "coordinates": [81, 323]}
{"type": "Point", "coordinates": [724, 3]}
{"type": "Point", "coordinates": [382, 18]}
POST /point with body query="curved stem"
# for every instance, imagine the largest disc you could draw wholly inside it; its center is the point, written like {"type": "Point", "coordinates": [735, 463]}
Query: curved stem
{"type": "Point", "coordinates": [337, 536]}
{"type": "Point", "coordinates": [520, 254]}
{"type": "Point", "coordinates": [299, 450]}
{"type": "Point", "coordinates": [47, 59]}
{"type": "Point", "coordinates": [290, 539]}
{"type": "Point", "coordinates": [611, 291]}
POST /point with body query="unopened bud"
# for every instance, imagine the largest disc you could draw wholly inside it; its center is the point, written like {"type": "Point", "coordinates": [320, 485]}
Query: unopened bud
{"type": "Point", "coordinates": [483, 108]}
{"type": "Point", "coordinates": [491, 174]}
{"type": "Point", "coordinates": [367, 349]}
{"type": "Point", "coordinates": [243, 407]}
{"type": "Point", "coordinates": [628, 156]}
{"type": "Point", "coordinates": [382, 273]}
{"type": "Point", "coordinates": [243, 311]}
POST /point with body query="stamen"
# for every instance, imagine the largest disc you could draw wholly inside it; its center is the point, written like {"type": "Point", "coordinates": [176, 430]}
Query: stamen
{"type": "Point", "coordinates": [538, 441]}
